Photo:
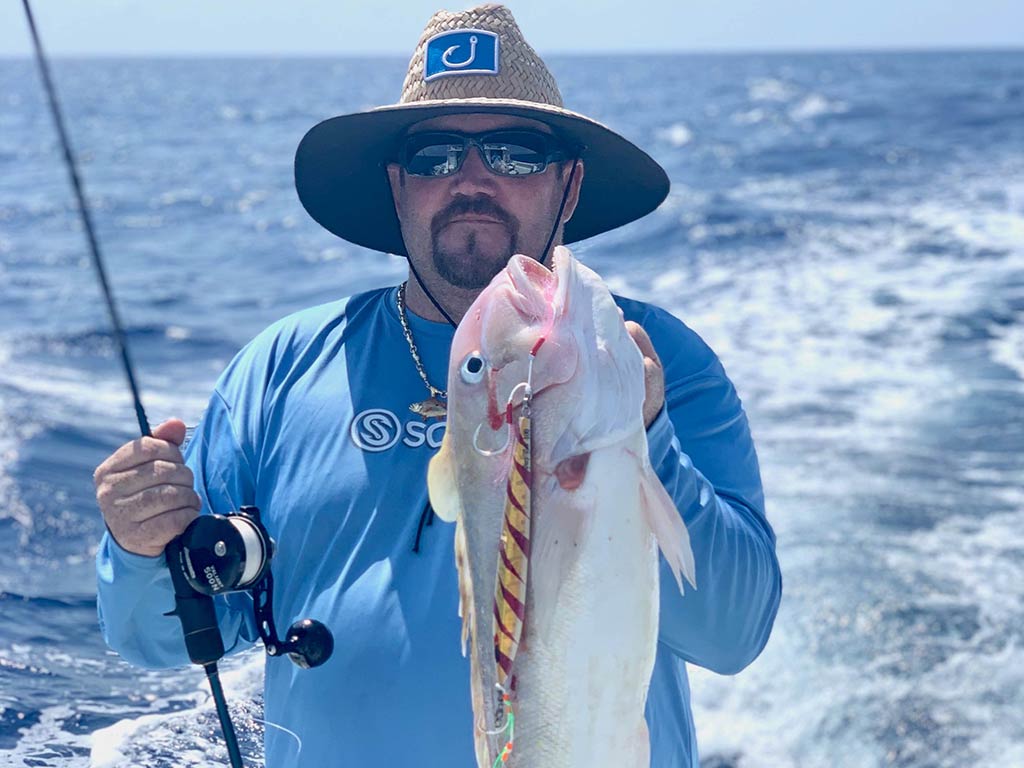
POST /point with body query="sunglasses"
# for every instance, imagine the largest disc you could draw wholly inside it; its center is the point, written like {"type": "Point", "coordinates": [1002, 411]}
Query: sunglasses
{"type": "Point", "coordinates": [504, 152]}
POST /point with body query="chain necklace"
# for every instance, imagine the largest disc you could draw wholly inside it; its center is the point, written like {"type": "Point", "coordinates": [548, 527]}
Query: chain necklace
{"type": "Point", "coordinates": [434, 406]}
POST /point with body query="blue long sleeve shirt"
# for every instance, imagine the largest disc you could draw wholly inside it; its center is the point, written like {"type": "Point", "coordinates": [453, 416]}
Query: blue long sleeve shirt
{"type": "Point", "coordinates": [310, 423]}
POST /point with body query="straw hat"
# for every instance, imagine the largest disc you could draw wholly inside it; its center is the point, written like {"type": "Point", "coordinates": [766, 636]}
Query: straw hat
{"type": "Point", "coordinates": [473, 61]}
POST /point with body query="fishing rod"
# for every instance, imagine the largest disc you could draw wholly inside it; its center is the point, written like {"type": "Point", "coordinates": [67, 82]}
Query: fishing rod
{"type": "Point", "coordinates": [215, 554]}
{"type": "Point", "coordinates": [196, 612]}
{"type": "Point", "coordinates": [94, 249]}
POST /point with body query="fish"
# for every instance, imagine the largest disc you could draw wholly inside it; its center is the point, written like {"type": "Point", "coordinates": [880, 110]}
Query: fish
{"type": "Point", "coordinates": [559, 520]}
{"type": "Point", "coordinates": [431, 408]}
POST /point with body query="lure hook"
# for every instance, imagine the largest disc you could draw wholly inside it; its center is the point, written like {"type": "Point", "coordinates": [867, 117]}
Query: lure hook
{"type": "Point", "coordinates": [509, 407]}
{"type": "Point", "coordinates": [527, 389]}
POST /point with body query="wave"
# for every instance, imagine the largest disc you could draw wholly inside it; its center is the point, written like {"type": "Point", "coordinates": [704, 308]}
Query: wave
{"type": "Point", "coordinates": [849, 247]}
{"type": "Point", "coordinates": [771, 89]}
{"type": "Point", "coordinates": [156, 740]}
{"type": "Point", "coordinates": [676, 135]}
{"type": "Point", "coordinates": [100, 340]}
{"type": "Point", "coordinates": [1007, 346]}
{"type": "Point", "coordinates": [816, 105]}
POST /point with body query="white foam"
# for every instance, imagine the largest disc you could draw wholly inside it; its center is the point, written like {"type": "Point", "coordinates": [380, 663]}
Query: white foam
{"type": "Point", "coordinates": [848, 319]}
{"type": "Point", "coordinates": [177, 333]}
{"type": "Point", "coordinates": [37, 738]}
{"type": "Point", "coordinates": [770, 89]}
{"type": "Point", "coordinates": [14, 432]}
{"type": "Point", "coordinates": [750, 117]}
{"type": "Point", "coordinates": [175, 196]}
{"type": "Point", "coordinates": [670, 280]}
{"type": "Point", "coordinates": [127, 742]}
{"type": "Point", "coordinates": [798, 706]}
{"type": "Point", "coordinates": [816, 105]}
{"type": "Point", "coordinates": [100, 394]}
{"type": "Point", "coordinates": [677, 134]}
{"type": "Point", "coordinates": [1008, 348]}
{"type": "Point", "coordinates": [982, 227]}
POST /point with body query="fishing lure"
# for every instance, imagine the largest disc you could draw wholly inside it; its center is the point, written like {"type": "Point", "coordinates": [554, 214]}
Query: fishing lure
{"type": "Point", "coordinates": [513, 560]}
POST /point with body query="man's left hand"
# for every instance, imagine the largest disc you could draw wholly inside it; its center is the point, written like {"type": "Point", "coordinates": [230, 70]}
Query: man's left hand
{"type": "Point", "coordinates": [654, 374]}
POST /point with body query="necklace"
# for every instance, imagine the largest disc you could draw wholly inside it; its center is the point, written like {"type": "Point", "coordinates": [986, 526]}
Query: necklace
{"type": "Point", "coordinates": [434, 406]}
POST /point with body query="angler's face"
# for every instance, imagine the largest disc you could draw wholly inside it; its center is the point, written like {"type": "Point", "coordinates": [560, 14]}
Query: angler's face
{"type": "Point", "coordinates": [469, 223]}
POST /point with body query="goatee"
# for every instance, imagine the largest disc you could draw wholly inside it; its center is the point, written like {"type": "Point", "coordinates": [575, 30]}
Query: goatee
{"type": "Point", "coordinates": [467, 260]}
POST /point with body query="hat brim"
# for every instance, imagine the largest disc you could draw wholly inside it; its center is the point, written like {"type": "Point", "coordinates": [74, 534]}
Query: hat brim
{"type": "Point", "coordinates": [342, 181]}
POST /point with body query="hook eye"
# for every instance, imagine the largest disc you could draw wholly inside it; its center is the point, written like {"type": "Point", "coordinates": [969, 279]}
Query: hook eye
{"type": "Point", "coordinates": [527, 393]}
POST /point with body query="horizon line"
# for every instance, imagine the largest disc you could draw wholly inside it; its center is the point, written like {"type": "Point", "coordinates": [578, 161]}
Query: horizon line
{"type": "Point", "coordinates": [907, 49]}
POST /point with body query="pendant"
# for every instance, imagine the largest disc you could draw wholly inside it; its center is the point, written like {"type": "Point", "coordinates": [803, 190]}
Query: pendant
{"type": "Point", "coordinates": [431, 408]}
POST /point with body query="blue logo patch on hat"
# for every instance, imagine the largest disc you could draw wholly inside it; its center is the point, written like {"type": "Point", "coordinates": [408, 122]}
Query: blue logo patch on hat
{"type": "Point", "coordinates": [462, 52]}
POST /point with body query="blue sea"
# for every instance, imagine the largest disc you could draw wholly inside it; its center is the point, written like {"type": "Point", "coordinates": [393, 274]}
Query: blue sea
{"type": "Point", "coordinates": [845, 230]}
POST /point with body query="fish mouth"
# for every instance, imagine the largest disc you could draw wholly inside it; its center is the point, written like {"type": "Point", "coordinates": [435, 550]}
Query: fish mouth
{"type": "Point", "coordinates": [541, 292]}
{"type": "Point", "coordinates": [532, 286]}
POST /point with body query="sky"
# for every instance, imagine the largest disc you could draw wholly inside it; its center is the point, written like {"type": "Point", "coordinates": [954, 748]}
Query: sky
{"type": "Point", "coordinates": [347, 27]}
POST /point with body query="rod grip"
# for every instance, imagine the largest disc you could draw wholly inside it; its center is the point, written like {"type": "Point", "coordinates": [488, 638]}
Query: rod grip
{"type": "Point", "coordinates": [195, 611]}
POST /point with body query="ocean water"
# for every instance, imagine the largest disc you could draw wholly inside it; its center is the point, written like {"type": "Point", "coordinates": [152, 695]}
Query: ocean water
{"type": "Point", "coordinates": [847, 231]}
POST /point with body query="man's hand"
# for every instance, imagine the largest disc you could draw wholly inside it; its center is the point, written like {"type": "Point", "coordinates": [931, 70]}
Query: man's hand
{"type": "Point", "coordinates": [145, 491]}
{"type": "Point", "coordinates": [654, 374]}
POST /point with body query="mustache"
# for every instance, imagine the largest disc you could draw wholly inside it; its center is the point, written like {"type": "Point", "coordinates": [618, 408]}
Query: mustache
{"type": "Point", "coordinates": [480, 206]}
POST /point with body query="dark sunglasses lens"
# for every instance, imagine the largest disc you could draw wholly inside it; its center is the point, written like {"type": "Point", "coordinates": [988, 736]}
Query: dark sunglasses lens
{"type": "Point", "coordinates": [433, 155]}
{"type": "Point", "coordinates": [516, 153]}
{"type": "Point", "coordinates": [509, 153]}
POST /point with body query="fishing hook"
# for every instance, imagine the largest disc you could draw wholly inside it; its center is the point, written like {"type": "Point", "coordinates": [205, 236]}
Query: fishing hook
{"type": "Point", "coordinates": [527, 388]}
{"type": "Point", "coordinates": [509, 407]}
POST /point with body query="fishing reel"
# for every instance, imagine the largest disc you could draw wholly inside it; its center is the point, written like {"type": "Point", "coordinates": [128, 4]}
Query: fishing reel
{"type": "Point", "coordinates": [232, 553]}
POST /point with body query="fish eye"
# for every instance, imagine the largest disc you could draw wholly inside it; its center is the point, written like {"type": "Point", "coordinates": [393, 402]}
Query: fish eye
{"type": "Point", "coordinates": [472, 370]}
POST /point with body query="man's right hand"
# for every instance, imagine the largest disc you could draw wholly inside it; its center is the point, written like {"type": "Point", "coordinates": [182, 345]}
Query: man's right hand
{"type": "Point", "coordinates": [145, 491]}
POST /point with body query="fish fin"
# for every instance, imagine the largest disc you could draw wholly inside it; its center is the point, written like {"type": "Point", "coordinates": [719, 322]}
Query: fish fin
{"type": "Point", "coordinates": [442, 486]}
{"type": "Point", "coordinates": [465, 584]}
{"type": "Point", "coordinates": [667, 526]}
{"type": "Point", "coordinates": [467, 612]}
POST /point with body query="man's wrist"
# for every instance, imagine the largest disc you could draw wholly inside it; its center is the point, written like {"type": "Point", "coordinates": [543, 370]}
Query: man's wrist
{"type": "Point", "coordinates": [132, 559]}
{"type": "Point", "coordinates": [659, 436]}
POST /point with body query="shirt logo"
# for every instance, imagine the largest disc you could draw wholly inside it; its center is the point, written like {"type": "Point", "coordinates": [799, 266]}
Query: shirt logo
{"type": "Point", "coordinates": [376, 430]}
{"type": "Point", "coordinates": [462, 52]}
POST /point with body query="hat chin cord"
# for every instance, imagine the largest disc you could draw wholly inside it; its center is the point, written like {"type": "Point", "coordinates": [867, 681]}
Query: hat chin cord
{"type": "Point", "coordinates": [547, 247]}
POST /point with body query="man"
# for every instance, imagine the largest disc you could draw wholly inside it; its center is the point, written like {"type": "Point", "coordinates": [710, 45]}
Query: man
{"type": "Point", "coordinates": [311, 421]}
